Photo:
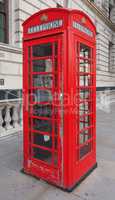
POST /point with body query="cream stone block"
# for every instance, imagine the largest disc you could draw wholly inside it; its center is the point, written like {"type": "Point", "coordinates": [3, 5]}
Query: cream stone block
{"type": "Point", "coordinates": [8, 56]}
{"type": "Point", "coordinates": [11, 82]}
{"type": "Point", "coordinates": [10, 68]}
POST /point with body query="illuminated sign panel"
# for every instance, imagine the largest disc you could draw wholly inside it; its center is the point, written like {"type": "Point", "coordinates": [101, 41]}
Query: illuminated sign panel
{"type": "Point", "coordinates": [46, 26]}
{"type": "Point", "coordinates": [83, 29]}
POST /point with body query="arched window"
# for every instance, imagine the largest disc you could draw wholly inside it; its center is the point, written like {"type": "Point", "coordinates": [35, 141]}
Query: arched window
{"type": "Point", "coordinates": [4, 21]}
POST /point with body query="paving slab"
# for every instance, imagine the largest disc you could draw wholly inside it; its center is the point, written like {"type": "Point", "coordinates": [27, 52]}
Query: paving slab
{"type": "Point", "coordinates": [99, 185]}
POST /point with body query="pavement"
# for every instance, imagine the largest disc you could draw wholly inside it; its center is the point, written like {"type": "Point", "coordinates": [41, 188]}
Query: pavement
{"type": "Point", "coordinates": [99, 185]}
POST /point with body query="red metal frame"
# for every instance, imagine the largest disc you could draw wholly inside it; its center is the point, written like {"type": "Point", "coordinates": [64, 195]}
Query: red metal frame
{"type": "Point", "coordinates": [76, 148]}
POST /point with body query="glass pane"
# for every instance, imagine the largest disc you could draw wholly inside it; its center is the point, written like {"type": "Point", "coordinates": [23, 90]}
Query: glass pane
{"type": "Point", "coordinates": [42, 125]}
{"type": "Point", "coordinates": [85, 80]}
{"type": "Point", "coordinates": [42, 110]}
{"type": "Point", "coordinates": [85, 118]}
{"type": "Point", "coordinates": [2, 35]}
{"type": "Point", "coordinates": [43, 155]}
{"type": "Point", "coordinates": [42, 50]}
{"type": "Point", "coordinates": [84, 66]}
{"type": "Point", "coordinates": [2, 20]}
{"type": "Point", "coordinates": [84, 124]}
{"type": "Point", "coordinates": [42, 81]}
{"type": "Point", "coordinates": [84, 94]}
{"type": "Point", "coordinates": [42, 96]}
{"type": "Point", "coordinates": [42, 140]}
{"type": "Point", "coordinates": [85, 150]}
{"type": "Point", "coordinates": [85, 51]}
{"type": "Point", "coordinates": [84, 136]}
{"type": "Point", "coordinates": [83, 108]}
{"type": "Point", "coordinates": [42, 65]}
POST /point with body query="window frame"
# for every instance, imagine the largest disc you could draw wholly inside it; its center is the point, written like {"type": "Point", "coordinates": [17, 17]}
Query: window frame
{"type": "Point", "coordinates": [110, 61]}
{"type": "Point", "coordinates": [5, 28]}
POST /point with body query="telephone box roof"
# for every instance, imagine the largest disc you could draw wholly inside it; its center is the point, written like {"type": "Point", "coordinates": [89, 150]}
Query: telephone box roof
{"type": "Point", "coordinates": [65, 11]}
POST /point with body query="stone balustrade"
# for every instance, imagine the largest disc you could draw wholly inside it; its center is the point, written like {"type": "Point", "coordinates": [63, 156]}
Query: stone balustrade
{"type": "Point", "coordinates": [10, 117]}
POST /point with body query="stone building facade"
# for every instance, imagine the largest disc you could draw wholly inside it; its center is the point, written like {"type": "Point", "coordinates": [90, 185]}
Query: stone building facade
{"type": "Point", "coordinates": [12, 14]}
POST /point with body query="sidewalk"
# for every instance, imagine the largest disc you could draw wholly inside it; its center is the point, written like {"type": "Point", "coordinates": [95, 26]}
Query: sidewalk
{"type": "Point", "coordinates": [100, 185]}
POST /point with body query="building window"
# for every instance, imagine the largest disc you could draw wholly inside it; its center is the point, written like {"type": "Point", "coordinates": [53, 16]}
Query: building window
{"type": "Point", "coordinates": [110, 56]}
{"type": "Point", "coordinates": [3, 21]}
{"type": "Point", "coordinates": [111, 5]}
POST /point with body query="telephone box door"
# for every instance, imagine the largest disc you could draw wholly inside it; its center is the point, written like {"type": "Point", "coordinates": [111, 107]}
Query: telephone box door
{"type": "Point", "coordinates": [86, 106]}
{"type": "Point", "coordinates": [42, 142]}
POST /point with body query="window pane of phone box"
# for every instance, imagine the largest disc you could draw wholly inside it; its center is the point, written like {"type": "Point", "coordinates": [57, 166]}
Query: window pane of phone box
{"type": "Point", "coordinates": [42, 154]}
{"type": "Point", "coordinates": [42, 96]}
{"type": "Point", "coordinates": [42, 50]}
{"type": "Point", "coordinates": [42, 65]}
{"type": "Point", "coordinates": [42, 81]}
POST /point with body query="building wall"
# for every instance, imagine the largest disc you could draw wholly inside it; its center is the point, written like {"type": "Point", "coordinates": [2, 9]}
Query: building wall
{"type": "Point", "coordinates": [11, 54]}
{"type": "Point", "coordinates": [11, 67]}
{"type": "Point", "coordinates": [20, 10]}
{"type": "Point", "coordinates": [31, 7]}
{"type": "Point", "coordinates": [105, 76]}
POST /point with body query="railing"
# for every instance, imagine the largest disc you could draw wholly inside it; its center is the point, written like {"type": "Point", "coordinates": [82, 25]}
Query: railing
{"type": "Point", "coordinates": [10, 116]}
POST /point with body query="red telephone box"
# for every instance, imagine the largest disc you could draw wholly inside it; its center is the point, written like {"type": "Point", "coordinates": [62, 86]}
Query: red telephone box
{"type": "Point", "coordinates": [59, 84]}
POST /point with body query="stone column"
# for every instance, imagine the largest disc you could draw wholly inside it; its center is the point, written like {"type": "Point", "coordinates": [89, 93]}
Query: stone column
{"type": "Point", "coordinates": [15, 116]}
{"type": "Point", "coordinates": [21, 114]}
{"type": "Point", "coordinates": [8, 118]}
{"type": "Point", "coordinates": [2, 129]}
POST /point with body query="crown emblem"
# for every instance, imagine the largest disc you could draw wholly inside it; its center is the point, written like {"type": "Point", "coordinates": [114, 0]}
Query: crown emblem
{"type": "Point", "coordinates": [83, 20]}
{"type": "Point", "coordinates": [44, 18]}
